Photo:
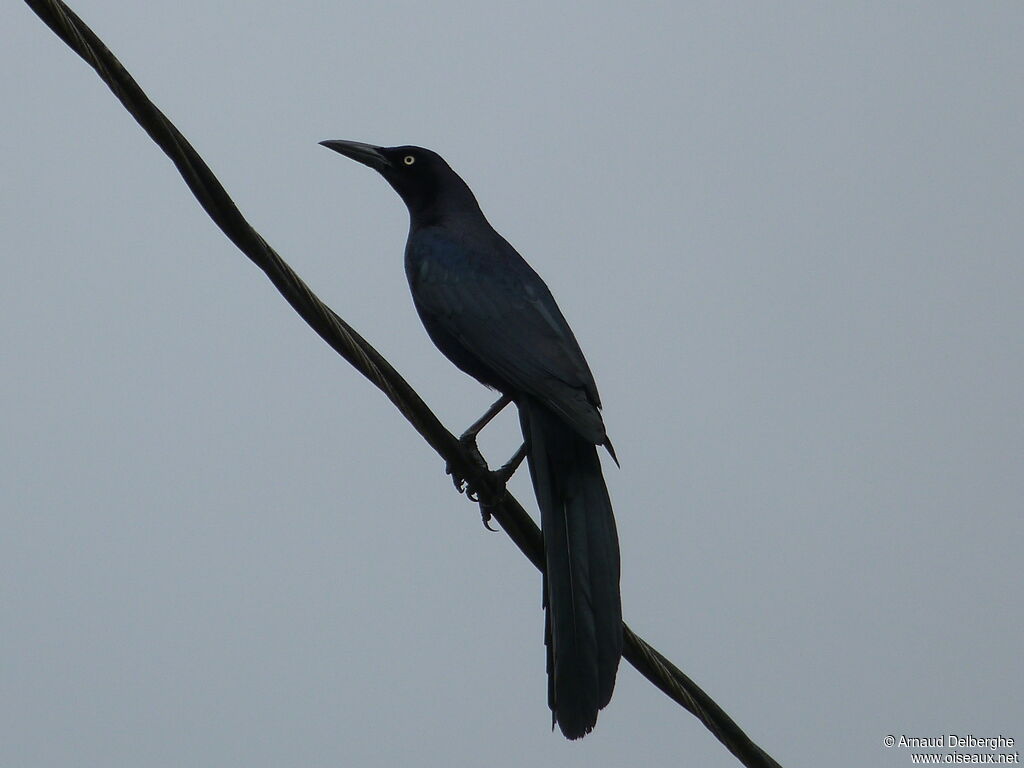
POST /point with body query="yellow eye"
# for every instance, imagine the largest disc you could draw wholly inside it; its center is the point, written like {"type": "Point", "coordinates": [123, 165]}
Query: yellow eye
{"type": "Point", "coordinates": [408, 159]}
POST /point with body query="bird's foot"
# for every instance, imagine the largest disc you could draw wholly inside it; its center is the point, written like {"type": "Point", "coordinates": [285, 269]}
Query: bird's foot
{"type": "Point", "coordinates": [500, 477]}
{"type": "Point", "coordinates": [462, 485]}
{"type": "Point", "coordinates": [468, 441]}
{"type": "Point", "coordinates": [457, 480]}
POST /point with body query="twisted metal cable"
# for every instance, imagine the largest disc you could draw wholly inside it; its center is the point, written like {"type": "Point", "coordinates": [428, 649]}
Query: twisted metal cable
{"type": "Point", "coordinates": [494, 498]}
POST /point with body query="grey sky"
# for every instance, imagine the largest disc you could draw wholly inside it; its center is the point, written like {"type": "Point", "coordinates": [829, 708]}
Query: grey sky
{"type": "Point", "coordinates": [788, 238]}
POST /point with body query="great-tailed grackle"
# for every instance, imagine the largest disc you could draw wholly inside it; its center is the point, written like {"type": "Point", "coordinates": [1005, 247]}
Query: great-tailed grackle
{"type": "Point", "coordinates": [492, 315]}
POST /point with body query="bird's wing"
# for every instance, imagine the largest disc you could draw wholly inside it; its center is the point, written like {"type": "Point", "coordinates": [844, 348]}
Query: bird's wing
{"type": "Point", "coordinates": [503, 314]}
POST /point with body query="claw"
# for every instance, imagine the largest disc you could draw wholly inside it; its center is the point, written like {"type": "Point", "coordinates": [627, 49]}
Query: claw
{"type": "Point", "coordinates": [458, 482]}
{"type": "Point", "coordinates": [486, 515]}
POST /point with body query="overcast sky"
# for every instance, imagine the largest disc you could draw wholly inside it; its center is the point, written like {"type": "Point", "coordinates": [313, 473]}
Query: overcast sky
{"type": "Point", "coordinates": [789, 239]}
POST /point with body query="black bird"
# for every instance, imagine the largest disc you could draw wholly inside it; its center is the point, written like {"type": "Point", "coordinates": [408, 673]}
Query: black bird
{"type": "Point", "coordinates": [492, 316]}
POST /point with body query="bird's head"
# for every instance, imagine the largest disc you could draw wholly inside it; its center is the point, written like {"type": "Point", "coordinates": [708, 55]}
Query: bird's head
{"type": "Point", "coordinates": [421, 177]}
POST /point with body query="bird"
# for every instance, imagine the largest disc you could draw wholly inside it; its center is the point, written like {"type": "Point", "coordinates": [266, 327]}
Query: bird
{"type": "Point", "coordinates": [493, 316]}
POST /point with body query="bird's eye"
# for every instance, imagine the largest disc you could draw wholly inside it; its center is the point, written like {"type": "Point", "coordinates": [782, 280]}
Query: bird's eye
{"type": "Point", "coordinates": [408, 159]}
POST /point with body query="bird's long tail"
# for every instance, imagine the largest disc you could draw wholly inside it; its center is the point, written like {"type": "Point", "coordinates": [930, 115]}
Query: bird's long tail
{"type": "Point", "coordinates": [583, 621]}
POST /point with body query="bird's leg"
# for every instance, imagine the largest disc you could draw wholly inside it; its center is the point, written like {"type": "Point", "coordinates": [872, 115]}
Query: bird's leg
{"type": "Point", "coordinates": [509, 467]}
{"type": "Point", "coordinates": [468, 440]}
{"type": "Point", "coordinates": [502, 475]}
{"type": "Point", "coordinates": [469, 436]}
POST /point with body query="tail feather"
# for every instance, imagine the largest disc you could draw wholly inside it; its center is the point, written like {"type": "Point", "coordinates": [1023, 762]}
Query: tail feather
{"type": "Point", "coordinates": [583, 622]}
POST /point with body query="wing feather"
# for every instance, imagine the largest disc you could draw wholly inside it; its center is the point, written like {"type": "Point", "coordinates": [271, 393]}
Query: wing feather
{"type": "Point", "coordinates": [501, 312]}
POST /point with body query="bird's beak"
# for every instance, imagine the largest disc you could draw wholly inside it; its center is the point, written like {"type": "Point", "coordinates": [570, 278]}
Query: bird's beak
{"type": "Point", "coordinates": [367, 154]}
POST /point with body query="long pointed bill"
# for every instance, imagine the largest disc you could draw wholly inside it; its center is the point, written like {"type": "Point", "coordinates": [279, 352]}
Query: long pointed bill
{"type": "Point", "coordinates": [367, 154]}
